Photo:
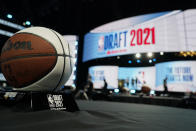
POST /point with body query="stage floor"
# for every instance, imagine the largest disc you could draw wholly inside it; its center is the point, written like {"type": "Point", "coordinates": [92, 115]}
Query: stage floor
{"type": "Point", "coordinates": [182, 102]}
{"type": "Point", "coordinates": [101, 116]}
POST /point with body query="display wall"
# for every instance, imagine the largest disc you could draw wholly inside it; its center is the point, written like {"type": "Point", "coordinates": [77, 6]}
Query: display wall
{"type": "Point", "coordinates": [99, 73]}
{"type": "Point", "coordinates": [135, 78]}
{"type": "Point", "coordinates": [181, 76]}
{"type": "Point", "coordinates": [166, 31]}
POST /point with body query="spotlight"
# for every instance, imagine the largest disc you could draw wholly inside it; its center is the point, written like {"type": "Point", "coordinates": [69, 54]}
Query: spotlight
{"type": "Point", "coordinates": [138, 55]}
{"type": "Point", "coordinates": [185, 55]}
{"type": "Point", "coordinates": [149, 54]}
{"type": "Point", "coordinates": [118, 57]}
{"type": "Point", "coordinates": [73, 85]}
{"type": "Point", "coordinates": [74, 68]}
{"type": "Point", "coordinates": [150, 61]}
{"type": "Point", "coordinates": [9, 16]}
{"type": "Point", "coordinates": [74, 60]}
{"type": "Point", "coordinates": [28, 22]}
{"type": "Point", "coordinates": [116, 90]}
{"type": "Point", "coordinates": [132, 91]}
{"type": "Point", "coordinates": [74, 77]}
{"type": "Point", "coordinates": [138, 61]}
{"type": "Point", "coordinates": [161, 53]}
{"type": "Point", "coordinates": [152, 92]}
{"type": "Point", "coordinates": [129, 61]}
{"type": "Point", "coordinates": [76, 43]}
{"type": "Point", "coordinates": [154, 59]}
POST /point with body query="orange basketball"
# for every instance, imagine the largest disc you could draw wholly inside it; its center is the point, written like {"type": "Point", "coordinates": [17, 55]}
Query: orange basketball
{"type": "Point", "coordinates": [34, 59]}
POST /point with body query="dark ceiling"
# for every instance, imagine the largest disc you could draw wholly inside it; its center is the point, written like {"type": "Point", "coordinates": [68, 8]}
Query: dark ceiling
{"type": "Point", "coordinates": [80, 16]}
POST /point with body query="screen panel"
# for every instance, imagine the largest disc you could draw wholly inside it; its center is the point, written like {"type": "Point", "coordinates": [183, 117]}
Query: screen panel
{"type": "Point", "coordinates": [136, 77]}
{"type": "Point", "coordinates": [169, 32]}
{"type": "Point", "coordinates": [181, 76]}
{"type": "Point", "coordinates": [190, 26]}
{"type": "Point", "coordinates": [127, 22]}
{"type": "Point", "coordinates": [99, 73]}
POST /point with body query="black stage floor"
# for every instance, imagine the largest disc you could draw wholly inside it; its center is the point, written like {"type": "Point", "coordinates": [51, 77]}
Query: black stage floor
{"type": "Point", "coordinates": [101, 116]}
{"type": "Point", "coordinates": [181, 102]}
{"type": "Point", "coordinates": [154, 100]}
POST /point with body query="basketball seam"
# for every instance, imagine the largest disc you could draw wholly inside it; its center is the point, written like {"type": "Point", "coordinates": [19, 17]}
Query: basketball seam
{"type": "Point", "coordinates": [64, 60]}
{"type": "Point", "coordinates": [32, 55]}
{"type": "Point", "coordinates": [70, 58]}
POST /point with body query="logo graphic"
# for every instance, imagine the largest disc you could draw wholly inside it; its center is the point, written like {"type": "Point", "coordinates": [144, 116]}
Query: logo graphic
{"type": "Point", "coordinates": [51, 100]}
{"type": "Point", "coordinates": [101, 43]}
{"type": "Point", "coordinates": [55, 102]}
{"type": "Point", "coordinates": [25, 45]}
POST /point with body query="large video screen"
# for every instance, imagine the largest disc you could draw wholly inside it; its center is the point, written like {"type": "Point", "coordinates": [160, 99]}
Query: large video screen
{"type": "Point", "coordinates": [136, 77]}
{"type": "Point", "coordinates": [168, 32]}
{"type": "Point", "coordinates": [99, 73]}
{"type": "Point", "coordinates": [181, 76]}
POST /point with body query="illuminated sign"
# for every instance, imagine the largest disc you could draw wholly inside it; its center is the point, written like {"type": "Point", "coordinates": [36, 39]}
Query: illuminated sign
{"type": "Point", "coordinates": [167, 32]}
{"type": "Point", "coordinates": [142, 36]}
{"type": "Point", "coordinates": [117, 42]}
{"type": "Point", "coordinates": [99, 73]}
{"type": "Point", "coordinates": [113, 41]}
{"type": "Point", "coordinates": [134, 78]}
{"type": "Point", "coordinates": [181, 76]}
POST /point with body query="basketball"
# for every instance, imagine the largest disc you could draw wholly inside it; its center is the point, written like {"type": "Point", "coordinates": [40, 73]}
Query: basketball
{"type": "Point", "coordinates": [36, 59]}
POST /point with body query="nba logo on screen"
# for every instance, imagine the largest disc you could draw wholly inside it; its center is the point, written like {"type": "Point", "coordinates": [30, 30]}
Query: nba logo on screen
{"type": "Point", "coordinates": [101, 43]}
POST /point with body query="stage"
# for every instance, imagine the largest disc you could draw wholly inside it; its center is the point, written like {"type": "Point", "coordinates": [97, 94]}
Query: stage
{"type": "Point", "coordinates": [178, 101]}
{"type": "Point", "coordinates": [101, 116]}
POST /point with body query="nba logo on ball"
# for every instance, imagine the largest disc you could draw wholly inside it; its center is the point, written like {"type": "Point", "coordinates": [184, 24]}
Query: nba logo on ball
{"type": "Point", "coordinates": [36, 59]}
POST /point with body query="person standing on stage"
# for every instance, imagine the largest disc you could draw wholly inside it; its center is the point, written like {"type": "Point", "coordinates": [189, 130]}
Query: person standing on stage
{"type": "Point", "coordinates": [105, 90]}
{"type": "Point", "coordinates": [165, 86]}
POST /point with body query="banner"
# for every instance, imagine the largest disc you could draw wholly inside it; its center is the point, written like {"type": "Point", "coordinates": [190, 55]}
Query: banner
{"type": "Point", "coordinates": [168, 32]}
{"type": "Point", "coordinates": [181, 76]}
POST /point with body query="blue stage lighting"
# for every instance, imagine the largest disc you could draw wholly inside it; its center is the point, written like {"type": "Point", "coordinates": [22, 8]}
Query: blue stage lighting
{"type": "Point", "coordinates": [116, 90]}
{"type": "Point", "coordinates": [132, 91]}
{"type": "Point", "coordinates": [152, 92]}
{"type": "Point", "coordinates": [76, 43]}
{"type": "Point", "coordinates": [154, 59]}
{"type": "Point", "coordinates": [129, 61]}
{"type": "Point", "coordinates": [138, 61]}
{"type": "Point", "coordinates": [28, 23]}
{"type": "Point", "coordinates": [9, 16]}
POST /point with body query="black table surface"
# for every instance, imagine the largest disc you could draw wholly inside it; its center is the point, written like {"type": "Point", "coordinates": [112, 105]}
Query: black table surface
{"type": "Point", "coordinates": [101, 116]}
